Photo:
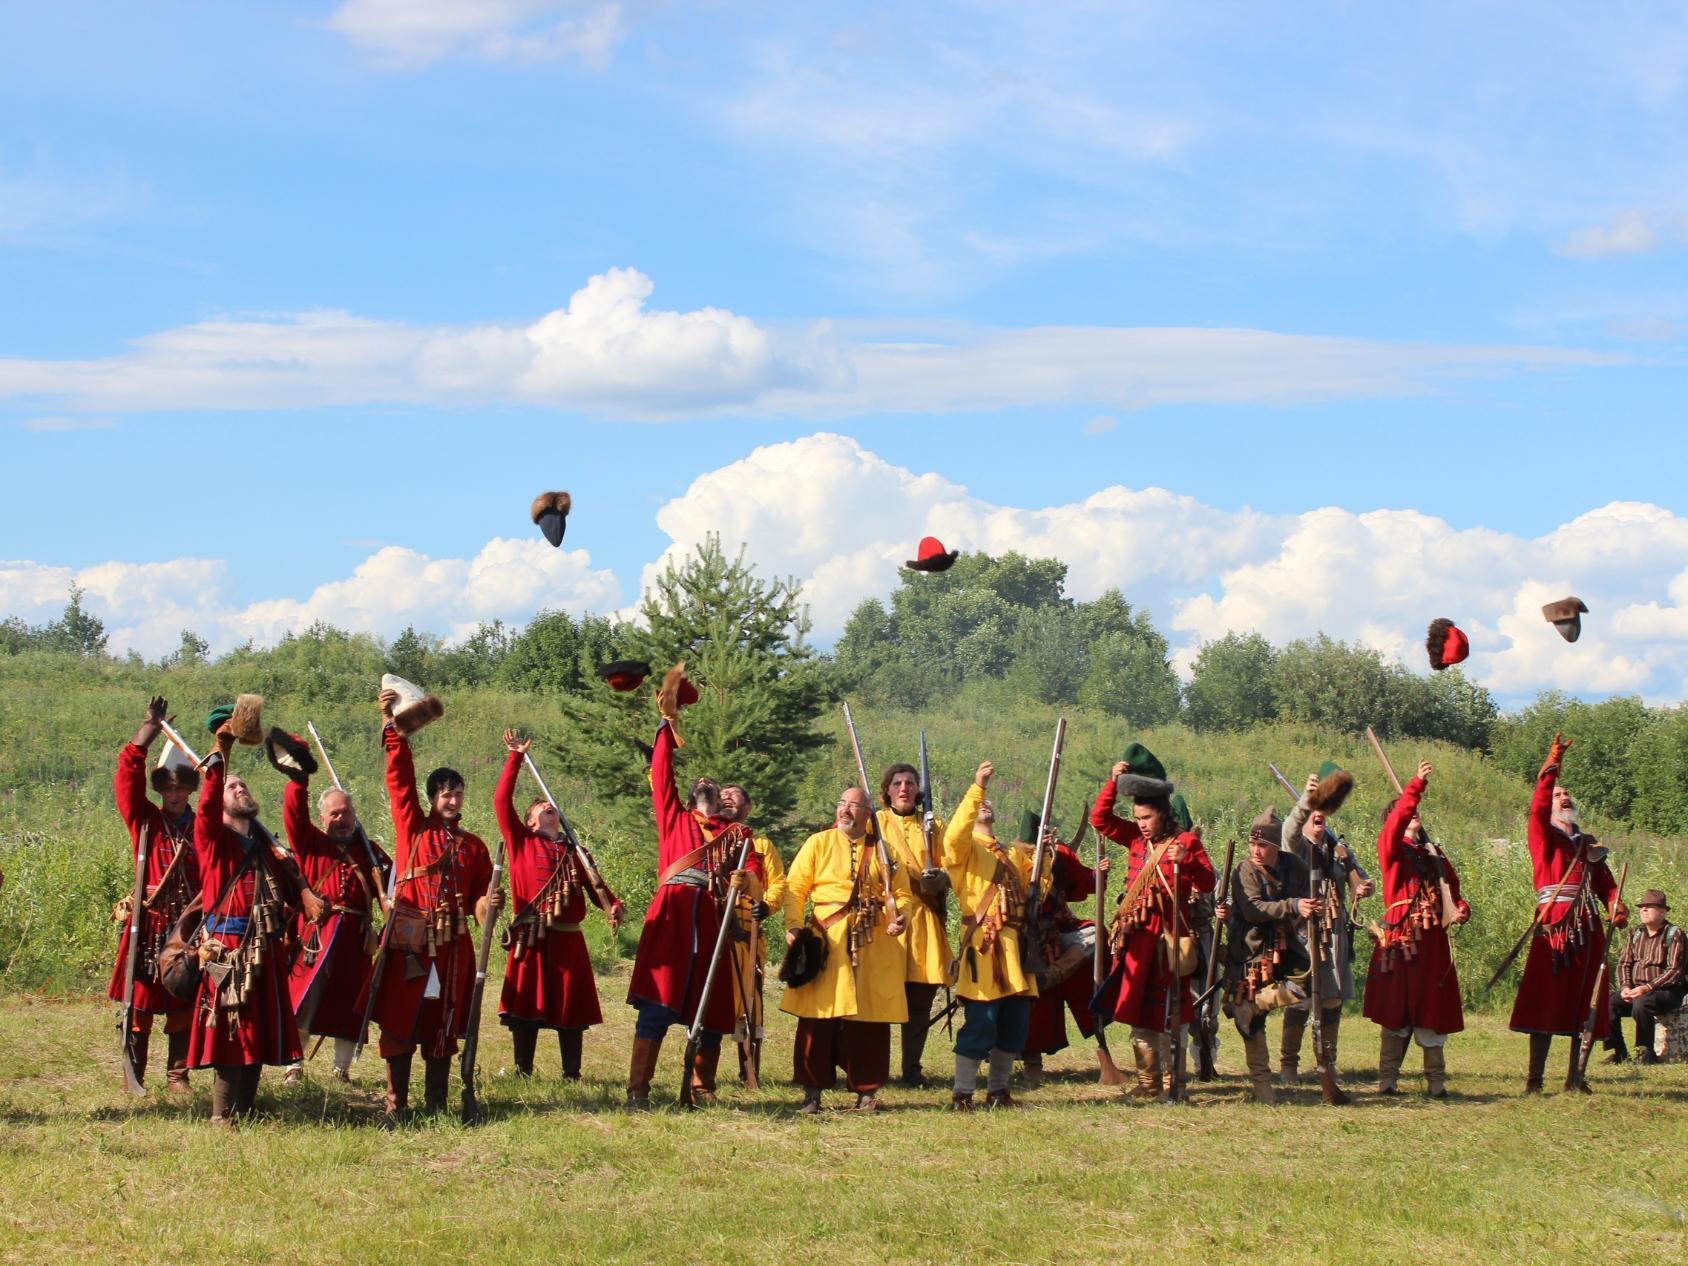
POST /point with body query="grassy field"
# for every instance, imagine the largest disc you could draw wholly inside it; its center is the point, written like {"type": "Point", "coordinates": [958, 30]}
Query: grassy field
{"type": "Point", "coordinates": [560, 1173]}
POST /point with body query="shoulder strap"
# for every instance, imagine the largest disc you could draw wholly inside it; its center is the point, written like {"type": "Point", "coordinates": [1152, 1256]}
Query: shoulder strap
{"type": "Point", "coordinates": [855, 888]}
{"type": "Point", "coordinates": [254, 850]}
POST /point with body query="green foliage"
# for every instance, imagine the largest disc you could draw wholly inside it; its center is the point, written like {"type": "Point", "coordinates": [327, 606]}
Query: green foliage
{"type": "Point", "coordinates": [76, 632]}
{"type": "Point", "coordinates": [1600, 769]}
{"type": "Point", "coordinates": [1231, 683]}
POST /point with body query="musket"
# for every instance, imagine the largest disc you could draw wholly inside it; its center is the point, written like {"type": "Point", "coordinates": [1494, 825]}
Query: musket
{"type": "Point", "coordinates": [1110, 1074]}
{"type": "Point", "coordinates": [1336, 837]}
{"type": "Point", "coordinates": [588, 863]}
{"type": "Point", "coordinates": [934, 880]}
{"type": "Point", "coordinates": [1328, 1088]}
{"type": "Point", "coordinates": [1209, 1003]}
{"type": "Point", "coordinates": [885, 865]}
{"type": "Point", "coordinates": [1031, 943]}
{"type": "Point", "coordinates": [1599, 991]}
{"type": "Point", "coordinates": [729, 910]}
{"type": "Point", "coordinates": [472, 1039]}
{"type": "Point", "coordinates": [1450, 907]}
{"type": "Point", "coordinates": [1174, 1011]}
{"type": "Point", "coordinates": [1541, 908]}
{"type": "Point", "coordinates": [126, 1016]}
{"type": "Point", "coordinates": [376, 870]}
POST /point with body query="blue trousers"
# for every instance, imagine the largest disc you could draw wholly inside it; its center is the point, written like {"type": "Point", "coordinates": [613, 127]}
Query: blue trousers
{"type": "Point", "coordinates": [1001, 1025]}
{"type": "Point", "coordinates": [655, 1020]}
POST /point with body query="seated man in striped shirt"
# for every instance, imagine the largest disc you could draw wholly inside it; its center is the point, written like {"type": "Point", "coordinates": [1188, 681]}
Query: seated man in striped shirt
{"type": "Point", "coordinates": [1651, 978]}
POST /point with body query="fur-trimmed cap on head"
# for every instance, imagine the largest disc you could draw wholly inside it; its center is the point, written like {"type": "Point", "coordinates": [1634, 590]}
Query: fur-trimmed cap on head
{"type": "Point", "coordinates": [1566, 616]}
{"type": "Point", "coordinates": [550, 510]}
{"type": "Point", "coordinates": [1446, 644]}
{"type": "Point", "coordinates": [1142, 787]}
{"type": "Point", "coordinates": [290, 754]}
{"type": "Point", "coordinates": [174, 769]}
{"type": "Point", "coordinates": [1267, 827]}
{"type": "Point", "coordinates": [1335, 783]}
{"type": "Point", "coordinates": [415, 707]}
{"type": "Point", "coordinates": [1143, 761]}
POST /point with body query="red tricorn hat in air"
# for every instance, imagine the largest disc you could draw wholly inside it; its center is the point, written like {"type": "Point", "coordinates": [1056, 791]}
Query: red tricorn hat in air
{"type": "Point", "coordinates": [1447, 644]}
{"type": "Point", "coordinates": [932, 556]}
{"type": "Point", "coordinates": [625, 674]}
{"type": "Point", "coordinates": [1566, 616]}
{"type": "Point", "coordinates": [551, 511]}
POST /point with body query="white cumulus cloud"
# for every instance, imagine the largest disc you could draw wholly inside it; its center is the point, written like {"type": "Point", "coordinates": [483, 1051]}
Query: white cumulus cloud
{"type": "Point", "coordinates": [416, 33]}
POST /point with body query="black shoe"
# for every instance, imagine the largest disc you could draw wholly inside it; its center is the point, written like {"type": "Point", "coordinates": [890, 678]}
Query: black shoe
{"type": "Point", "coordinates": [1648, 1057]}
{"type": "Point", "coordinates": [1618, 1056]}
{"type": "Point", "coordinates": [915, 1080]}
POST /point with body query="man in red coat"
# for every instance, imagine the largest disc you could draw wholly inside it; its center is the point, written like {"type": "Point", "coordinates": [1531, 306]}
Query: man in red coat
{"type": "Point", "coordinates": [443, 876]}
{"type": "Point", "coordinates": [1412, 989]}
{"type": "Point", "coordinates": [1146, 985]}
{"type": "Point", "coordinates": [171, 882]}
{"type": "Point", "coordinates": [1069, 983]}
{"type": "Point", "coordinates": [697, 848]}
{"type": "Point", "coordinates": [242, 1019]}
{"type": "Point", "coordinates": [330, 972]}
{"type": "Point", "coordinates": [1569, 943]}
{"type": "Point", "coordinates": [548, 981]}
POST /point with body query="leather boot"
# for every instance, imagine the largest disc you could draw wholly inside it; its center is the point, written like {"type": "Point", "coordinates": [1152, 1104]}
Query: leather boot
{"type": "Point", "coordinates": [1436, 1071]}
{"type": "Point", "coordinates": [1034, 1067]}
{"type": "Point", "coordinates": [524, 1038]}
{"type": "Point", "coordinates": [1259, 1061]}
{"type": "Point", "coordinates": [1289, 1051]}
{"type": "Point", "coordinates": [645, 1053]}
{"type": "Point", "coordinates": [1206, 1065]}
{"type": "Point", "coordinates": [436, 1080]}
{"type": "Point", "coordinates": [1573, 1078]}
{"type": "Point", "coordinates": [568, 1046]}
{"type": "Point", "coordinates": [1148, 1054]}
{"type": "Point", "coordinates": [398, 1088]}
{"type": "Point", "coordinates": [1332, 1093]}
{"type": "Point", "coordinates": [812, 1101]}
{"type": "Point", "coordinates": [176, 1069]}
{"type": "Point", "coordinates": [225, 1079]}
{"type": "Point", "coordinates": [702, 1072]}
{"type": "Point", "coordinates": [914, 1047]}
{"type": "Point", "coordinates": [246, 1089]}
{"type": "Point", "coordinates": [140, 1043]}
{"type": "Point", "coordinates": [1539, 1044]}
{"type": "Point", "coordinates": [1392, 1049]}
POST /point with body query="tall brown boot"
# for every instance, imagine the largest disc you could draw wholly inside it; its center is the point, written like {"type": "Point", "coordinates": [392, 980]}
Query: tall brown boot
{"type": "Point", "coordinates": [568, 1046]}
{"type": "Point", "coordinates": [702, 1072]}
{"type": "Point", "coordinates": [1148, 1053]}
{"type": "Point", "coordinates": [645, 1053]}
{"type": "Point", "coordinates": [1392, 1049]}
{"type": "Point", "coordinates": [398, 1086]}
{"type": "Point", "coordinates": [524, 1038]}
{"type": "Point", "coordinates": [1329, 1092]}
{"type": "Point", "coordinates": [246, 1090]}
{"type": "Point", "coordinates": [139, 1043]}
{"type": "Point", "coordinates": [1436, 1071]}
{"type": "Point", "coordinates": [1289, 1049]}
{"type": "Point", "coordinates": [225, 1087]}
{"type": "Point", "coordinates": [1574, 1079]}
{"type": "Point", "coordinates": [436, 1080]}
{"type": "Point", "coordinates": [1259, 1062]}
{"type": "Point", "coordinates": [1034, 1067]}
{"type": "Point", "coordinates": [176, 1065]}
{"type": "Point", "coordinates": [1539, 1046]}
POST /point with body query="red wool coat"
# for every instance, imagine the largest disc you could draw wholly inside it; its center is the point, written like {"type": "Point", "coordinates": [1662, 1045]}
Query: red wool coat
{"type": "Point", "coordinates": [1073, 881]}
{"type": "Point", "coordinates": [548, 983]}
{"type": "Point", "coordinates": [1140, 975]}
{"type": "Point", "coordinates": [264, 1031]}
{"type": "Point", "coordinates": [463, 870]}
{"type": "Point", "coordinates": [164, 840]}
{"type": "Point", "coordinates": [683, 920]}
{"type": "Point", "coordinates": [325, 990]}
{"type": "Point", "coordinates": [1558, 984]}
{"type": "Point", "coordinates": [1420, 991]}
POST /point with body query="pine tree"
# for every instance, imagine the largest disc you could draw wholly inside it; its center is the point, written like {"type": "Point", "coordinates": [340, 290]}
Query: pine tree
{"type": "Point", "coordinates": [761, 689]}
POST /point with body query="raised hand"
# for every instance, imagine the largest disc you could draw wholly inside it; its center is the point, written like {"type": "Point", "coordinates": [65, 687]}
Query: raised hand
{"type": "Point", "coordinates": [1120, 767]}
{"type": "Point", "coordinates": [982, 777]}
{"type": "Point", "coordinates": [516, 743]}
{"type": "Point", "coordinates": [386, 699]}
{"type": "Point", "coordinates": [157, 709]}
{"type": "Point", "coordinates": [1312, 783]}
{"type": "Point", "coordinates": [1424, 771]}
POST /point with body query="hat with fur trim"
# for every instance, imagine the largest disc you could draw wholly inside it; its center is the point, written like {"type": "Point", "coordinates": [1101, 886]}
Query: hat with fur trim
{"type": "Point", "coordinates": [804, 958]}
{"type": "Point", "coordinates": [1446, 644]}
{"type": "Point", "coordinates": [676, 691]}
{"type": "Point", "coordinates": [290, 754]}
{"type": "Point", "coordinates": [624, 674]}
{"type": "Point", "coordinates": [550, 510]}
{"type": "Point", "coordinates": [1027, 832]}
{"type": "Point", "coordinates": [415, 707]}
{"type": "Point", "coordinates": [174, 769]}
{"type": "Point", "coordinates": [1335, 783]}
{"type": "Point", "coordinates": [1267, 827]}
{"type": "Point", "coordinates": [1566, 616]}
{"type": "Point", "coordinates": [931, 556]}
{"type": "Point", "coordinates": [244, 717]}
{"type": "Point", "coordinates": [1142, 787]}
{"type": "Point", "coordinates": [1143, 761]}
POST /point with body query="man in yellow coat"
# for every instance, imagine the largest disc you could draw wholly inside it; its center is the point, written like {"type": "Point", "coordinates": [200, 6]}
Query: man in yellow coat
{"type": "Point", "coordinates": [991, 883]}
{"type": "Point", "coordinates": [844, 1015]}
{"type": "Point", "coordinates": [901, 822]}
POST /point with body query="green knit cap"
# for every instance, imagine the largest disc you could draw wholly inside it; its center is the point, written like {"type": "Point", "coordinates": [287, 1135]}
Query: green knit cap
{"type": "Point", "coordinates": [1143, 761]}
{"type": "Point", "coordinates": [218, 716]}
{"type": "Point", "coordinates": [1028, 833]}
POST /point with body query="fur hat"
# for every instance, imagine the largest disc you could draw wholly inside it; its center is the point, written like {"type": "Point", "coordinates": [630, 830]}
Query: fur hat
{"type": "Point", "coordinates": [1267, 826]}
{"type": "Point", "coordinates": [1446, 644]}
{"type": "Point", "coordinates": [415, 707]}
{"type": "Point", "coordinates": [1143, 761]}
{"type": "Point", "coordinates": [174, 769]}
{"type": "Point", "coordinates": [676, 691]}
{"type": "Point", "coordinates": [1142, 787]}
{"type": "Point", "coordinates": [246, 721]}
{"type": "Point", "coordinates": [1027, 832]}
{"type": "Point", "coordinates": [1566, 616]}
{"type": "Point", "coordinates": [930, 556]}
{"type": "Point", "coordinates": [804, 958]}
{"type": "Point", "coordinates": [625, 674]}
{"type": "Point", "coordinates": [290, 754]}
{"type": "Point", "coordinates": [1335, 783]}
{"type": "Point", "coordinates": [550, 510]}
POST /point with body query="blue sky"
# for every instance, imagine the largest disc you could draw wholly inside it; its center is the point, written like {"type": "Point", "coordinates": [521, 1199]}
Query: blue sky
{"type": "Point", "coordinates": [376, 272]}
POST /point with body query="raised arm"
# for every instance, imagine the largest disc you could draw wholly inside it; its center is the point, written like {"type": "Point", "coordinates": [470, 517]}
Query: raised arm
{"type": "Point", "coordinates": [957, 844]}
{"type": "Point", "coordinates": [296, 816]}
{"type": "Point", "coordinates": [129, 786]}
{"type": "Point", "coordinates": [405, 805]}
{"type": "Point", "coordinates": [1541, 802]}
{"type": "Point", "coordinates": [1393, 837]}
{"type": "Point", "coordinates": [1102, 815]}
{"type": "Point", "coordinates": [666, 805]}
{"type": "Point", "coordinates": [510, 826]}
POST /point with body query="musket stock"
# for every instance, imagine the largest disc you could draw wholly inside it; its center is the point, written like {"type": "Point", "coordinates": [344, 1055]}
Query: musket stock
{"type": "Point", "coordinates": [1031, 944]}
{"type": "Point", "coordinates": [126, 1016]}
{"type": "Point", "coordinates": [472, 1039]}
{"type": "Point", "coordinates": [885, 864]}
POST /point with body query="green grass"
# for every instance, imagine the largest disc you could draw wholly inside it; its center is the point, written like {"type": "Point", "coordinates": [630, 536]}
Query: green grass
{"type": "Point", "coordinates": [560, 1173]}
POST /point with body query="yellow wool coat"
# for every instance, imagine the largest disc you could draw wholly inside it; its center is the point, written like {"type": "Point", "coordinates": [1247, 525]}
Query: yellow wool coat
{"type": "Point", "coordinates": [972, 864]}
{"type": "Point", "coordinates": [824, 872]}
{"type": "Point", "coordinates": [927, 938]}
{"type": "Point", "coordinates": [773, 867]}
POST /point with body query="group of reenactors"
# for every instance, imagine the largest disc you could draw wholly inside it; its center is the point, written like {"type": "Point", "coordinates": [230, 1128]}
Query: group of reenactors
{"type": "Point", "coordinates": [281, 945]}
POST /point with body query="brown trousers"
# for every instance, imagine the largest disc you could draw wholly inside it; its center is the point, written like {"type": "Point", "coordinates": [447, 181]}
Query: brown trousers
{"type": "Point", "coordinates": [861, 1048]}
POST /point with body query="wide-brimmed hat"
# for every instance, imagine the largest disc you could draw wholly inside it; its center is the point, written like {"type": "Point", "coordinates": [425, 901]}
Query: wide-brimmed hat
{"type": "Point", "coordinates": [624, 674]}
{"type": "Point", "coordinates": [1653, 897]}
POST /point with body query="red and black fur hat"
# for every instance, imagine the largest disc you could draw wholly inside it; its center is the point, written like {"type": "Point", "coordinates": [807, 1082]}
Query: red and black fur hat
{"type": "Point", "coordinates": [1446, 644]}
